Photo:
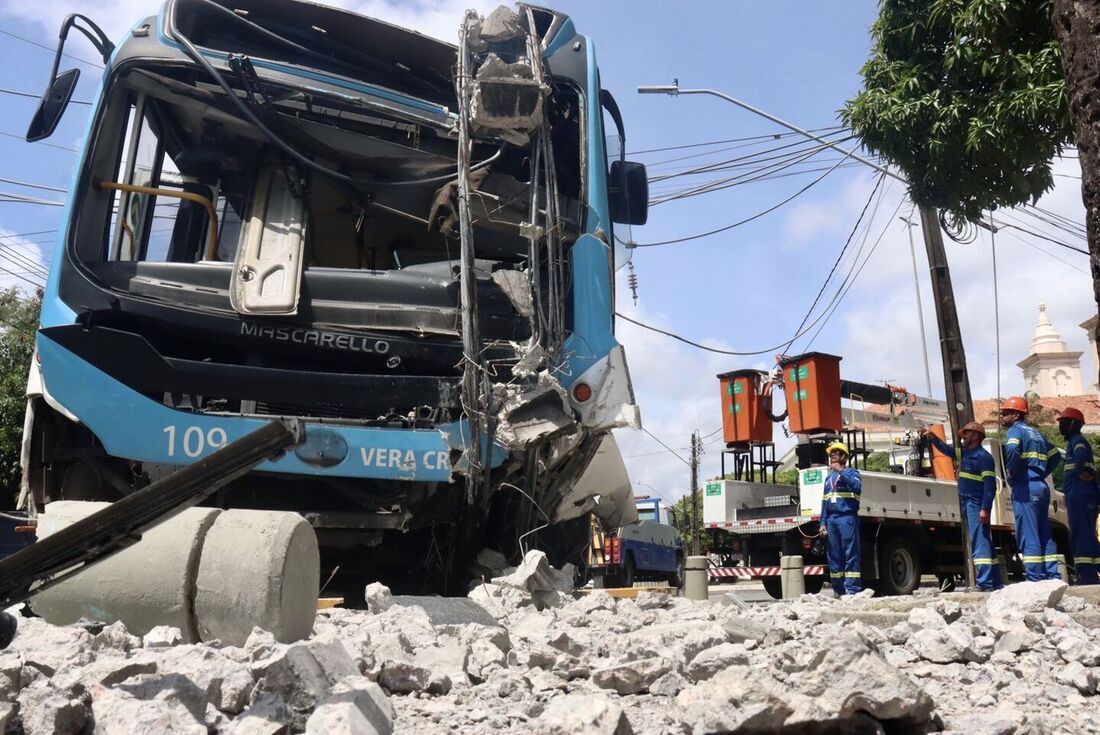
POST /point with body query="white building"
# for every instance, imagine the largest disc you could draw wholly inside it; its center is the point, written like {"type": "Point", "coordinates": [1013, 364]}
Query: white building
{"type": "Point", "coordinates": [1050, 369]}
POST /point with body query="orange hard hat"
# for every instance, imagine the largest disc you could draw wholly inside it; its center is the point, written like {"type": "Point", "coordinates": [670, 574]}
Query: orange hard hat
{"type": "Point", "coordinates": [974, 426]}
{"type": "Point", "coordinates": [1073, 414]}
{"type": "Point", "coordinates": [1015, 403]}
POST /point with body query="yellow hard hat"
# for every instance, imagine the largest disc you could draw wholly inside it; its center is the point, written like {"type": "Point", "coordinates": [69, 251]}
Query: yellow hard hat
{"type": "Point", "coordinates": [837, 447]}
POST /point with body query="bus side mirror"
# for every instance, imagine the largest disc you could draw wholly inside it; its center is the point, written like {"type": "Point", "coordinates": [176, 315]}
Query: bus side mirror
{"type": "Point", "coordinates": [628, 187]}
{"type": "Point", "coordinates": [60, 91]}
{"type": "Point", "coordinates": [53, 105]}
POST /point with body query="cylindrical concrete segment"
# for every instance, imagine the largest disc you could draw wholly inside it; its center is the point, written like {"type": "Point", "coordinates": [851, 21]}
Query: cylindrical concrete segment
{"type": "Point", "coordinates": [792, 577]}
{"type": "Point", "coordinates": [695, 578]}
{"type": "Point", "coordinates": [258, 568]}
{"type": "Point", "coordinates": [148, 584]}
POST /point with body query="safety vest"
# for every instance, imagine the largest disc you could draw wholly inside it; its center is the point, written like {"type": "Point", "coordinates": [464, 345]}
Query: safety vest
{"type": "Point", "coordinates": [842, 491]}
{"type": "Point", "coordinates": [1078, 458]}
{"type": "Point", "coordinates": [1029, 457]}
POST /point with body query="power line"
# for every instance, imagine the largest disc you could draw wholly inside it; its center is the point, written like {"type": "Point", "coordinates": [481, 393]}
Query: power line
{"type": "Point", "coordinates": [16, 93]}
{"type": "Point", "coordinates": [51, 49]}
{"type": "Point", "coordinates": [839, 257]}
{"type": "Point", "coordinates": [855, 277]}
{"type": "Point", "coordinates": [775, 136]}
{"type": "Point", "coordinates": [1014, 236]}
{"type": "Point", "coordinates": [670, 449]}
{"type": "Point", "coordinates": [1066, 245]}
{"type": "Point", "coordinates": [22, 199]}
{"type": "Point", "coordinates": [23, 138]}
{"type": "Point", "coordinates": [34, 186]}
{"type": "Point", "coordinates": [756, 216]}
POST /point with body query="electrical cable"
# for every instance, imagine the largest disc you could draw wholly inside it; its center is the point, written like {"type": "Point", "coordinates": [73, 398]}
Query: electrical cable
{"type": "Point", "coordinates": [670, 449]}
{"type": "Point", "coordinates": [13, 197]}
{"type": "Point", "coordinates": [756, 216]}
{"type": "Point", "coordinates": [16, 93]}
{"type": "Point", "coordinates": [855, 277]}
{"type": "Point", "coordinates": [23, 139]}
{"type": "Point", "coordinates": [839, 257]}
{"type": "Point", "coordinates": [751, 158]}
{"type": "Point", "coordinates": [52, 50]}
{"type": "Point", "coordinates": [729, 140]}
{"type": "Point", "coordinates": [1016, 237]}
{"type": "Point", "coordinates": [34, 186]}
{"type": "Point", "coordinates": [1066, 245]}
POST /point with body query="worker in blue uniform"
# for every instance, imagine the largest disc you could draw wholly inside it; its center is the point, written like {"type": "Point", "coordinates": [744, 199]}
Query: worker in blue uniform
{"type": "Point", "coordinates": [977, 489]}
{"type": "Point", "coordinates": [1029, 458]}
{"type": "Point", "coordinates": [1082, 497]}
{"type": "Point", "coordinates": [840, 521]}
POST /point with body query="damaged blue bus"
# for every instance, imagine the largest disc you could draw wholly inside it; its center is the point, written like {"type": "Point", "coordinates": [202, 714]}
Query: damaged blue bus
{"type": "Point", "coordinates": [286, 209]}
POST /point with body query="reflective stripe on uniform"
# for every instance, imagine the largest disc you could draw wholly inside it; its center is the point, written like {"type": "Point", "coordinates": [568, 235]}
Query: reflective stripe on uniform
{"type": "Point", "coordinates": [1012, 441]}
{"type": "Point", "coordinates": [853, 496]}
{"type": "Point", "coordinates": [988, 473]}
{"type": "Point", "coordinates": [1033, 455]}
{"type": "Point", "coordinates": [1053, 451]}
{"type": "Point", "coordinates": [1070, 465]}
{"type": "Point", "coordinates": [1034, 559]}
{"type": "Point", "coordinates": [984, 562]}
{"type": "Point", "coordinates": [970, 476]}
{"type": "Point", "coordinates": [1086, 560]}
{"type": "Point", "coordinates": [851, 575]}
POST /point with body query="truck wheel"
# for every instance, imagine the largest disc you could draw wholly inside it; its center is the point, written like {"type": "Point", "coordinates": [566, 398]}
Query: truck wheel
{"type": "Point", "coordinates": [899, 567]}
{"type": "Point", "coordinates": [630, 571]}
{"type": "Point", "coordinates": [773, 586]}
{"type": "Point", "coordinates": [676, 579]}
{"type": "Point", "coordinates": [814, 583]}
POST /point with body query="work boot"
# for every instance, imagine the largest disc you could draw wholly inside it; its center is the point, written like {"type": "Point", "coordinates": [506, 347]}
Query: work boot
{"type": "Point", "coordinates": [8, 625]}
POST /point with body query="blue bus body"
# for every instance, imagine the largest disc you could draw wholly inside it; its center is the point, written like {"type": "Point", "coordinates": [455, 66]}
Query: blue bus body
{"type": "Point", "coordinates": [146, 359]}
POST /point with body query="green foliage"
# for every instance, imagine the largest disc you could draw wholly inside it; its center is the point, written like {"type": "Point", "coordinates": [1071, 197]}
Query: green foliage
{"type": "Point", "coordinates": [967, 97]}
{"type": "Point", "coordinates": [682, 517]}
{"type": "Point", "coordinates": [787, 477]}
{"type": "Point", "coordinates": [18, 321]}
{"type": "Point", "coordinates": [878, 462]}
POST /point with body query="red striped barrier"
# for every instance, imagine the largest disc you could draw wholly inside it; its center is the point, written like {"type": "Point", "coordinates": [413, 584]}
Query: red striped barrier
{"type": "Point", "coordinates": [754, 572]}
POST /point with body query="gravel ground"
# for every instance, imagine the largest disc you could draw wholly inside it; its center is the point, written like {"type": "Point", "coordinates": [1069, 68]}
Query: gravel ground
{"type": "Point", "coordinates": [524, 654]}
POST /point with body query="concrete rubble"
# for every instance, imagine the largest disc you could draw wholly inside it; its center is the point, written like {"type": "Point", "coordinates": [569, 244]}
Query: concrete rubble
{"type": "Point", "coordinates": [523, 654]}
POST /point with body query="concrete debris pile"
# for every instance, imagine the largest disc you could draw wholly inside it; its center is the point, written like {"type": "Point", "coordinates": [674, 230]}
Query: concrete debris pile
{"type": "Point", "coordinates": [523, 654]}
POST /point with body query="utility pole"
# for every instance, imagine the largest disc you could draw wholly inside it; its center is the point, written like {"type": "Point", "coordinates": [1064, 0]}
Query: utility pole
{"type": "Point", "coordinates": [695, 451]}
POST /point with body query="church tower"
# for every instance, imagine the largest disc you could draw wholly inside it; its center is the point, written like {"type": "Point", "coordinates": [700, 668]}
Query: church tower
{"type": "Point", "coordinates": [1050, 369]}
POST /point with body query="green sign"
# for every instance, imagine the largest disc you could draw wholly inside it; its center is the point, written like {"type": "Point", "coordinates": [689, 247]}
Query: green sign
{"type": "Point", "coordinates": [812, 477]}
{"type": "Point", "coordinates": [729, 390]}
{"type": "Point", "coordinates": [714, 488]}
{"type": "Point", "coordinates": [800, 395]}
{"type": "Point", "coordinates": [737, 408]}
{"type": "Point", "coordinates": [801, 373]}
{"type": "Point", "coordinates": [738, 388]}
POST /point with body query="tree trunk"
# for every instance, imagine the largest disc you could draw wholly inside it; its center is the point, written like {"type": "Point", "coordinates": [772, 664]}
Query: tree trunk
{"type": "Point", "coordinates": [1077, 27]}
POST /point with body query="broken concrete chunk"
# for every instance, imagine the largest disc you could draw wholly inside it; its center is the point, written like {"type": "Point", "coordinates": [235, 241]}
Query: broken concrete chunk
{"type": "Point", "coordinates": [47, 710]}
{"type": "Point", "coordinates": [304, 673]}
{"type": "Point", "coordinates": [378, 597]}
{"type": "Point", "coordinates": [163, 636]}
{"type": "Point", "coordinates": [632, 677]}
{"type": "Point", "coordinates": [266, 715]}
{"type": "Point", "coordinates": [227, 683]}
{"type": "Point", "coordinates": [118, 712]}
{"type": "Point", "coordinates": [712, 660]}
{"type": "Point", "coordinates": [1025, 597]}
{"type": "Point", "coordinates": [116, 637]}
{"type": "Point", "coordinates": [500, 25]}
{"type": "Point", "coordinates": [581, 713]}
{"type": "Point", "coordinates": [357, 706]}
{"type": "Point", "coordinates": [533, 413]}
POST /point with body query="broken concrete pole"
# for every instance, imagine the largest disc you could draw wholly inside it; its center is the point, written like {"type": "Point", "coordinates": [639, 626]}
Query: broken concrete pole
{"type": "Point", "coordinates": [149, 584]}
{"type": "Point", "coordinates": [258, 568]}
{"type": "Point", "coordinates": [162, 636]}
{"type": "Point", "coordinates": [208, 573]}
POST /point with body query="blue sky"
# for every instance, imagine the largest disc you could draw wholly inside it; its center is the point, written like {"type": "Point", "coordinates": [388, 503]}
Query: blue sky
{"type": "Point", "coordinates": [742, 290]}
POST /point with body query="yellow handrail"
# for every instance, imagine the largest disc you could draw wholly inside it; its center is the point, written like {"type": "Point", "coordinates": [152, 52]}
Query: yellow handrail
{"type": "Point", "coordinates": [212, 235]}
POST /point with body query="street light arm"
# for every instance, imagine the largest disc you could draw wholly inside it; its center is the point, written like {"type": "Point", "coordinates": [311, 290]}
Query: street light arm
{"type": "Point", "coordinates": [675, 90]}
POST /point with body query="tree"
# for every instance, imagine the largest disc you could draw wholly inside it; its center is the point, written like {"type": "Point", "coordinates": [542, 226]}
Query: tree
{"type": "Point", "coordinates": [973, 98]}
{"type": "Point", "coordinates": [18, 320]}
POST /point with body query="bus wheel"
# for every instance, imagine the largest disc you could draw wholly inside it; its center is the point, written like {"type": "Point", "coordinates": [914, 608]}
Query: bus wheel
{"type": "Point", "coordinates": [899, 567]}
